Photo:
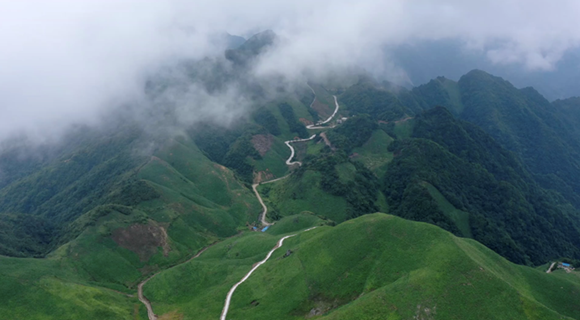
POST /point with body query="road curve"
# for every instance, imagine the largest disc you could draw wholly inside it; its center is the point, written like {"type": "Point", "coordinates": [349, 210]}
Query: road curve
{"type": "Point", "coordinates": [264, 207]}
{"type": "Point", "coordinates": [314, 126]}
{"type": "Point", "coordinates": [289, 161]}
{"type": "Point", "coordinates": [231, 292]}
{"type": "Point", "coordinates": [150, 314]}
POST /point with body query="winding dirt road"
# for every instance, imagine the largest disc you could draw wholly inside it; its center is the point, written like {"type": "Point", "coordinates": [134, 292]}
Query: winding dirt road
{"type": "Point", "coordinates": [265, 209]}
{"type": "Point", "coordinates": [231, 292]}
{"type": "Point", "coordinates": [314, 126]}
{"type": "Point", "coordinates": [289, 162]}
{"type": "Point", "coordinates": [150, 314]}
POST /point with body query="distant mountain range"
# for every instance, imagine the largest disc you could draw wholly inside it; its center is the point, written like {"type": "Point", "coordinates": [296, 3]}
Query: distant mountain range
{"type": "Point", "coordinates": [425, 60]}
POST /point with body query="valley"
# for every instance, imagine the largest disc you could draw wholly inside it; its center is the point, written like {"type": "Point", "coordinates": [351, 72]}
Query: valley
{"type": "Point", "coordinates": [415, 206]}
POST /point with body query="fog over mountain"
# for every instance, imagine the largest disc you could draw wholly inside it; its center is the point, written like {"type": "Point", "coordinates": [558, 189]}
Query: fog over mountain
{"type": "Point", "coordinates": [68, 62]}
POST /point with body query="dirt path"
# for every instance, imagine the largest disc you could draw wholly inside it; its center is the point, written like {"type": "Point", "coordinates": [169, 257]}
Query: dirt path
{"type": "Point", "coordinates": [325, 138]}
{"type": "Point", "coordinates": [150, 314]}
{"type": "Point", "coordinates": [231, 292]}
{"type": "Point", "coordinates": [265, 209]}
{"type": "Point", "coordinates": [550, 268]}
{"type": "Point", "coordinates": [289, 161]}
{"type": "Point", "coordinates": [314, 126]}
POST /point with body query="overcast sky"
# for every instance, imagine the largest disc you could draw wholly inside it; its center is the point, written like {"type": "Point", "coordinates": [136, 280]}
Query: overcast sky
{"type": "Point", "coordinates": [65, 62]}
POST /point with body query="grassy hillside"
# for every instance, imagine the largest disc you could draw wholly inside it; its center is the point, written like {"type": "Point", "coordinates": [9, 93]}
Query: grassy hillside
{"type": "Point", "coordinates": [543, 135]}
{"type": "Point", "coordinates": [160, 215]}
{"type": "Point", "coordinates": [53, 289]}
{"type": "Point", "coordinates": [297, 194]}
{"type": "Point", "coordinates": [508, 211]}
{"type": "Point", "coordinates": [373, 267]}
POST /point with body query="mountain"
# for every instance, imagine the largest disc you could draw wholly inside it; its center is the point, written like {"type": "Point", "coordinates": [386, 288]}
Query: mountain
{"type": "Point", "coordinates": [521, 120]}
{"type": "Point", "coordinates": [86, 223]}
{"type": "Point", "coordinates": [506, 210]}
{"type": "Point", "coordinates": [452, 58]}
{"type": "Point", "coordinates": [243, 54]}
{"type": "Point", "coordinates": [373, 267]}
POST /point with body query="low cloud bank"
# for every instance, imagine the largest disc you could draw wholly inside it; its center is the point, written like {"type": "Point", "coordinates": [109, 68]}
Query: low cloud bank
{"type": "Point", "coordinates": [67, 63]}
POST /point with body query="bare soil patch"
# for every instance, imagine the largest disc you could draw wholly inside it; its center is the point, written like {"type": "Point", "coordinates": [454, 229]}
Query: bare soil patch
{"type": "Point", "coordinates": [324, 111]}
{"type": "Point", "coordinates": [263, 176]}
{"type": "Point", "coordinates": [262, 143]}
{"type": "Point", "coordinates": [143, 239]}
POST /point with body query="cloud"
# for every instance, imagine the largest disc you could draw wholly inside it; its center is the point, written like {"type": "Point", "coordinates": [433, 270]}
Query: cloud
{"type": "Point", "coordinates": [72, 62]}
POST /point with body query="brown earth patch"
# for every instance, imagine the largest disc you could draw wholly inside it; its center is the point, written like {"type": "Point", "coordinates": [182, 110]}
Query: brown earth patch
{"type": "Point", "coordinates": [305, 121]}
{"type": "Point", "coordinates": [173, 315]}
{"type": "Point", "coordinates": [143, 239]}
{"type": "Point", "coordinates": [222, 168]}
{"type": "Point", "coordinates": [325, 138]}
{"type": "Point", "coordinates": [324, 111]}
{"type": "Point", "coordinates": [263, 176]}
{"type": "Point", "coordinates": [262, 143]}
{"type": "Point", "coordinates": [149, 269]}
{"type": "Point", "coordinates": [405, 119]}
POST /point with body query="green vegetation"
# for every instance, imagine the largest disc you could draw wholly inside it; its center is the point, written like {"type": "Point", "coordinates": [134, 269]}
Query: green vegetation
{"type": "Point", "coordinates": [298, 194]}
{"type": "Point", "coordinates": [296, 223]}
{"type": "Point", "coordinates": [379, 103]}
{"type": "Point", "coordinates": [543, 135]}
{"type": "Point", "coordinates": [266, 119]}
{"type": "Point", "coordinates": [52, 289]}
{"type": "Point", "coordinates": [372, 267]}
{"type": "Point", "coordinates": [508, 212]}
{"type": "Point", "coordinates": [353, 133]}
{"type": "Point", "coordinates": [109, 209]}
{"type": "Point", "coordinates": [294, 125]}
{"type": "Point", "coordinates": [158, 215]}
{"type": "Point", "coordinates": [330, 185]}
{"type": "Point", "coordinates": [373, 153]}
{"type": "Point", "coordinates": [459, 218]}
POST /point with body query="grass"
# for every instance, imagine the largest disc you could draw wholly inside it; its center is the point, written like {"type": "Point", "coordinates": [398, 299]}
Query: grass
{"type": "Point", "coordinates": [53, 289]}
{"type": "Point", "coordinates": [274, 161]}
{"type": "Point", "coordinates": [323, 95]}
{"type": "Point", "coordinates": [346, 171]}
{"type": "Point", "coordinates": [454, 93]}
{"type": "Point", "coordinates": [404, 129]}
{"type": "Point", "coordinates": [374, 267]}
{"type": "Point", "coordinates": [294, 195]}
{"type": "Point", "coordinates": [460, 218]}
{"type": "Point", "coordinates": [314, 148]}
{"type": "Point", "coordinates": [295, 223]}
{"type": "Point", "coordinates": [300, 110]}
{"type": "Point", "coordinates": [199, 203]}
{"type": "Point", "coordinates": [373, 154]}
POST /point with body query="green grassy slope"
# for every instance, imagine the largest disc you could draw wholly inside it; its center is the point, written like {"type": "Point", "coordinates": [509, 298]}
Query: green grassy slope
{"type": "Point", "coordinates": [374, 154]}
{"type": "Point", "coordinates": [374, 267]}
{"type": "Point", "coordinates": [542, 134]}
{"type": "Point", "coordinates": [294, 195]}
{"type": "Point", "coordinates": [195, 202]}
{"type": "Point", "coordinates": [52, 289]}
{"type": "Point", "coordinates": [459, 217]}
